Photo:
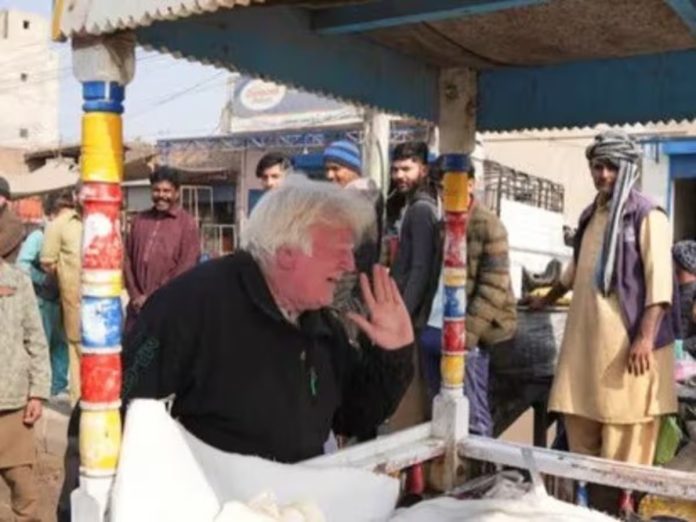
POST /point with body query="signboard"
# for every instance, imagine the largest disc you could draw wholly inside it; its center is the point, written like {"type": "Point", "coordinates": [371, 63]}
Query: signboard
{"type": "Point", "coordinates": [254, 98]}
{"type": "Point", "coordinates": [260, 96]}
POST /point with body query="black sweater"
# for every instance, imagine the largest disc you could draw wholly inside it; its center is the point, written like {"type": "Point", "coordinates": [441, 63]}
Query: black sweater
{"type": "Point", "coordinates": [417, 256]}
{"type": "Point", "coordinates": [248, 381]}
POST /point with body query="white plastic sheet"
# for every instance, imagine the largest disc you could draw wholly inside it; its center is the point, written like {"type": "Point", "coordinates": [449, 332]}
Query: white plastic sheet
{"type": "Point", "coordinates": [530, 507]}
{"type": "Point", "coordinates": [167, 474]}
{"type": "Point", "coordinates": [342, 494]}
{"type": "Point", "coordinates": [158, 477]}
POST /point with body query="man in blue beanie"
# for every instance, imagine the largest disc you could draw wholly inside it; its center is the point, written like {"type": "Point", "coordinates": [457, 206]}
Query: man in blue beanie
{"type": "Point", "coordinates": [343, 166]}
{"type": "Point", "coordinates": [342, 162]}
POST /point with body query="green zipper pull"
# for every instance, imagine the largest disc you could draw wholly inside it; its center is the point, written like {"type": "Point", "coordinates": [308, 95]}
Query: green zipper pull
{"type": "Point", "coordinates": [313, 381]}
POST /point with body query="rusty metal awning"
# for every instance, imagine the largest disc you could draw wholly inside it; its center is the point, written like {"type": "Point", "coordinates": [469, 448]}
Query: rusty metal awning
{"type": "Point", "coordinates": [54, 175]}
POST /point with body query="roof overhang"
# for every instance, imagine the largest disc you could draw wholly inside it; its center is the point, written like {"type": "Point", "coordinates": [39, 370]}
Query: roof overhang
{"type": "Point", "coordinates": [94, 17]}
{"type": "Point", "coordinates": [541, 63]}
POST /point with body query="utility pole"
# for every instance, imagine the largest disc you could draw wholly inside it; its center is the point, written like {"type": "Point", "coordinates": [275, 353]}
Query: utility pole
{"type": "Point", "coordinates": [227, 113]}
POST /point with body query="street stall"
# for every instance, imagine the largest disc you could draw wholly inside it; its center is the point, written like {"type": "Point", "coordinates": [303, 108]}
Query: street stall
{"type": "Point", "coordinates": [466, 65]}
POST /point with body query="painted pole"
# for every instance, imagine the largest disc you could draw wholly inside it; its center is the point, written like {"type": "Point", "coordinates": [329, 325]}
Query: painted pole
{"type": "Point", "coordinates": [450, 407]}
{"type": "Point", "coordinates": [102, 283]}
{"type": "Point", "coordinates": [104, 65]}
{"type": "Point", "coordinates": [455, 206]}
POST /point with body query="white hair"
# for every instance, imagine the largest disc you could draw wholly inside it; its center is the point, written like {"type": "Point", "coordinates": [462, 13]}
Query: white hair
{"type": "Point", "coordinates": [283, 217]}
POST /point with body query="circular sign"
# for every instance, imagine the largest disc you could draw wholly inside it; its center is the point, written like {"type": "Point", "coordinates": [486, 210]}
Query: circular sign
{"type": "Point", "coordinates": [258, 95]}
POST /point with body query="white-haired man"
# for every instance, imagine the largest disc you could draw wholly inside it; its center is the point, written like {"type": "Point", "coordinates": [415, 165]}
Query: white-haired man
{"type": "Point", "coordinates": [245, 342]}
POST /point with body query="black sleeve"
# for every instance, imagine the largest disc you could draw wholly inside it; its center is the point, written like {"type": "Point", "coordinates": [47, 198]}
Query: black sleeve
{"type": "Point", "coordinates": [157, 352]}
{"type": "Point", "coordinates": [373, 382]}
{"type": "Point", "coordinates": [423, 230]}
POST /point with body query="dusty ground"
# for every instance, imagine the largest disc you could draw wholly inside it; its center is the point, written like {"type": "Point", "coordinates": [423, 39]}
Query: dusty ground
{"type": "Point", "coordinates": [50, 438]}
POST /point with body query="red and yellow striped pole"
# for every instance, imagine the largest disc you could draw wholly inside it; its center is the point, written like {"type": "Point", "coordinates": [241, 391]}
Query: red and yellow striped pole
{"type": "Point", "coordinates": [102, 283]}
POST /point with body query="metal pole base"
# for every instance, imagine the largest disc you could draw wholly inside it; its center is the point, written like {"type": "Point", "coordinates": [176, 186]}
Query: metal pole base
{"type": "Point", "coordinates": [450, 423]}
{"type": "Point", "coordinates": [89, 502]}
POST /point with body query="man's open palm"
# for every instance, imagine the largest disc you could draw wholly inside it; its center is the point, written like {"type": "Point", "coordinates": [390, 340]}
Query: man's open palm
{"type": "Point", "coordinates": [389, 325]}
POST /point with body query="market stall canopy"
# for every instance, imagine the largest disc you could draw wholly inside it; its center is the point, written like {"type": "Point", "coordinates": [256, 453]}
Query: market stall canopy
{"type": "Point", "coordinates": [540, 63]}
{"type": "Point", "coordinates": [54, 175]}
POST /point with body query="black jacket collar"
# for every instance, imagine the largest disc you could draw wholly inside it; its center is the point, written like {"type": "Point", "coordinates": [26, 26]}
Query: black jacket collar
{"type": "Point", "coordinates": [313, 323]}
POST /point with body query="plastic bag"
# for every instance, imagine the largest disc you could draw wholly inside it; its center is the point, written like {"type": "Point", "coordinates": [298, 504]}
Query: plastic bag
{"type": "Point", "coordinates": [668, 440]}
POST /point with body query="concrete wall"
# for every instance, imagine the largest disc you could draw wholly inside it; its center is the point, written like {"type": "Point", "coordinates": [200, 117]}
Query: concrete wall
{"type": "Point", "coordinates": [555, 155]}
{"type": "Point", "coordinates": [29, 81]}
{"type": "Point", "coordinates": [655, 175]}
{"type": "Point", "coordinates": [559, 155]}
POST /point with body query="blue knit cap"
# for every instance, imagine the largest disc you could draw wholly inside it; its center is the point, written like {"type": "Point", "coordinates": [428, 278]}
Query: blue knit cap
{"type": "Point", "coordinates": [344, 153]}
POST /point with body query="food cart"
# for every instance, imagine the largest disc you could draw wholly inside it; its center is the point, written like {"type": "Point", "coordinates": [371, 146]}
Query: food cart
{"type": "Point", "coordinates": [466, 65]}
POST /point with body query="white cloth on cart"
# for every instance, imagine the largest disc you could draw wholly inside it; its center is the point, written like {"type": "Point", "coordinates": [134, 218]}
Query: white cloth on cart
{"type": "Point", "coordinates": [165, 473]}
{"type": "Point", "coordinates": [530, 507]}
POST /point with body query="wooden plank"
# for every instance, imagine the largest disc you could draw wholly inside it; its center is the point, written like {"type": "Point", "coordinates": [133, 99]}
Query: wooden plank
{"type": "Point", "coordinates": [659, 481]}
{"type": "Point", "coordinates": [457, 110]}
{"type": "Point", "coordinates": [388, 453]}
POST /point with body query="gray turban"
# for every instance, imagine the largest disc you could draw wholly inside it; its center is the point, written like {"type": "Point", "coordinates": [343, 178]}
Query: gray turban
{"type": "Point", "coordinates": [623, 153]}
{"type": "Point", "coordinates": [684, 253]}
{"type": "Point", "coordinates": [614, 146]}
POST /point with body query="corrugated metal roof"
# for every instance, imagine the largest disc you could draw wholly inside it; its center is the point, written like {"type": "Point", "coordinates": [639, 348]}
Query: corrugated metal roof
{"type": "Point", "coordinates": [71, 17]}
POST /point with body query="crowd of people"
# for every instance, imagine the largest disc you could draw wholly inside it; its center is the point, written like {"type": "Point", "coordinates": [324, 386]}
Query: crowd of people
{"type": "Point", "coordinates": [303, 339]}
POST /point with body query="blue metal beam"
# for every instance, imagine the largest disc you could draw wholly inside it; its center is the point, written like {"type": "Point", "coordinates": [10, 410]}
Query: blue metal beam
{"type": "Point", "coordinates": [682, 167]}
{"type": "Point", "coordinates": [638, 89]}
{"type": "Point", "coordinates": [277, 43]}
{"type": "Point", "coordinates": [390, 13]}
{"type": "Point", "coordinates": [677, 146]}
{"type": "Point", "coordinates": [686, 9]}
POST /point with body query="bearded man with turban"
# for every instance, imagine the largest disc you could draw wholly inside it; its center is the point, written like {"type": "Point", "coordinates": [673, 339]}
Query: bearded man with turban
{"type": "Point", "coordinates": [614, 379]}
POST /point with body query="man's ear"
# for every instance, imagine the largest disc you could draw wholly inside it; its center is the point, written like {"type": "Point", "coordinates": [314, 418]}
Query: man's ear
{"type": "Point", "coordinates": [286, 258]}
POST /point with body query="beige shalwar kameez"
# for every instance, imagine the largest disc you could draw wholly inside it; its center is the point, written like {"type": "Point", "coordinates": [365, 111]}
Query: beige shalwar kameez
{"type": "Point", "coordinates": [62, 247]}
{"type": "Point", "coordinates": [608, 411]}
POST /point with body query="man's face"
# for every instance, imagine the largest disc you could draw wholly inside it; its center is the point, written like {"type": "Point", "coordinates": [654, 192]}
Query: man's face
{"type": "Point", "coordinates": [339, 174]}
{"type": "Point", "coordinates": [164, 195]}
{"type": "Point", "coordinates": [3, 201]}
{"type": "Point", "coordinates": [272, 177]}
{"type": "Point", "coordinates": [604, 176]}
{"type": "Point", "coordinates": [313, 277]}
{"type": "Point", "coordinates": [407, 174]}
